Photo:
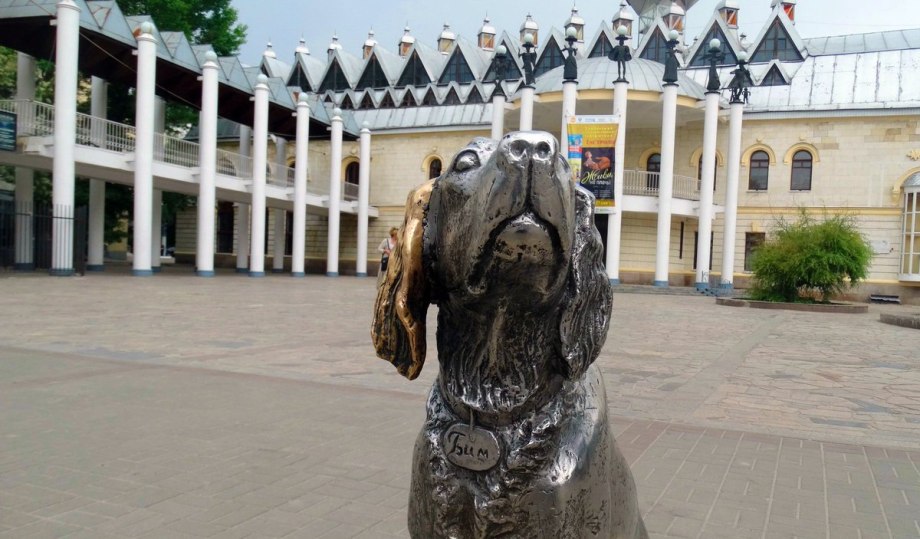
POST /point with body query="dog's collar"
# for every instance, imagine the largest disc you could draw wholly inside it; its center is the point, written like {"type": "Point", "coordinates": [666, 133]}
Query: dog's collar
{"type": "Point", "coordinates": [465, 413]}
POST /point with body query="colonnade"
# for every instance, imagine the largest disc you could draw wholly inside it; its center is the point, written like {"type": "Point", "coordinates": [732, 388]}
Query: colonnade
{"type": "Point", "coordinates": [149, 124]}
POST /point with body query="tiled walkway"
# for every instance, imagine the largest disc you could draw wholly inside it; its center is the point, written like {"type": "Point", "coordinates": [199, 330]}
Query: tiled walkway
{"type": "Point", "coordinates": [233, 407]}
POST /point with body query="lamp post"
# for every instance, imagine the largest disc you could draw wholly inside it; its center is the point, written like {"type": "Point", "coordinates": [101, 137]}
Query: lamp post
{"type": "Point", "coordinates": [739, 96]}
{"type": "Point", "coordinates": [620, 54]}
{"type": "Point", "coordinates": [707, 179]}
{"type": "Point", "coordinates": [498, 96]}
{"type": "Point", "coordinates": [569, 87]}
{"type": "Point", "coordinates": [528, 57]}
{"type": "Point", "coordinates": [666, 177]}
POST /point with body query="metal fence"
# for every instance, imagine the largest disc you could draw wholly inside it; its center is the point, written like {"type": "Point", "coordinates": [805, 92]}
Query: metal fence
{"type": "Point", "coordinates": [644, 183]}
{"type": "Point", "coordinates": [35, 225]}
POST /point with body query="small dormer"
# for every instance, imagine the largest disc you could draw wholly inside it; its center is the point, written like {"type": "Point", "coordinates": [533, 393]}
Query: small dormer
{"type": "Point", "coordinates": [788, 7]}
{"type": "Point", "coordinates": [369, 44]}
{"type": "Point", "coordinates": [406, 42]}
{"type": "Point", "coordinates": [728, 12]}
{"type": "Point", "coordinates": [578, 23]}
{"type": "Point", "coordinates": [487, 35]}
{"type": "Point", "coordinates": [530, 26]}
{"type": "Point", "coordinates": [302, 47]}
{"type": "Point", "coordinates": [675, 17]}
{"type": "Point", "coordinates": [333, 46]}
{"type": "Point", "coordinates": [624, 17]}
{"type": "Point", "coordinates": [446, 39]}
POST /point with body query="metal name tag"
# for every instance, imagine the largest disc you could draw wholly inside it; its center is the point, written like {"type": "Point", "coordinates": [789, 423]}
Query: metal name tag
{"type": "Point", "coordinates": [471, 448]}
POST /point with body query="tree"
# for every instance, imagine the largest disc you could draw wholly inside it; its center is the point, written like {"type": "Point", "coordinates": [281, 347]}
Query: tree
{"type": "Point", "coordinates": [808, 259]}
{"type": "Point", "coordinates": [202, 21]}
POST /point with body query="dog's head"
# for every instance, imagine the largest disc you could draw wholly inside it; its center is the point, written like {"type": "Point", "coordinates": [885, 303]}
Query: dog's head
{"type": "Point", "coordinates": [504, 229]}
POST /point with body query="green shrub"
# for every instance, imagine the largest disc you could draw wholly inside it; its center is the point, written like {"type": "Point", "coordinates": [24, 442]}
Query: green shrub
{"type": "Point", "coordinates": [810, 259]}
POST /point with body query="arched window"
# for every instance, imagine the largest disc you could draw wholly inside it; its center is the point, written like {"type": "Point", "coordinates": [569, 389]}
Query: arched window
{"type": "Point", "coordinates": [653, 166]}
{"type": "Point", "coordinates": [715, 170]}
{"type": "Point", "coordinates": [801, 171]}
{"type": "Point", "coordinates": [910, 248]}
{"type": "Point", "coordinates": [434, 168]}
{"type": "Point", "coordinates": [351, 180]}
{"type": "Point", "coordinates": [760, 171]}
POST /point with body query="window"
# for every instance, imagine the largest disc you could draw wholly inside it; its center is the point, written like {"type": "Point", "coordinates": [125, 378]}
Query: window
{"type": "Point", "coordinates": [409, 100]}
{"type": "Point", "coordinates": [352, 172]}
{"type": "Point", "coordinates": [288, 233]}
{"type": "Point", "coordinates": [373, 76]}
{"type": "Point", "coordinates": [715, 170]}
{"type": "Point", "coordinates": [777, 44]}
{"type": "Point", "coordinates": [347, 104]}
{"type": "Point", "coordinates": [335, 79]}
{"type": "Point", "coordinates": [653, 166]}
{"type": "Point", "coordinates": [656, 49]}
{"type": "Point", "coordinates": [759, 171]}
{"type": "Point", "coordinates": [225, 227]}
{"type": "Point", "coordinates": [752, 240]}
{"type": "Point", "coordinates": [414, 74]}
{"type": "Point", "coordinates": [801, 171]}
{"type": "Point", "coordinates": [910, 249]}
{"type": "Point", "coordinates": [452, 97]}
{"type": "Point", "coordinates": [367, 102]}
{"type": "Point", "coordinates": [601, 48]}
{"type": "Point", "coordinates": [299, 79]}
{"type": "Point", "coordinates": [387, 102]}
{"type": "Point", "coordinates": [434, 168]}
{"type": "Point", "coordinates": [774, 78]}
{"type": "Point", "coordinates": [457, 70]}
{"type": "Point", "coordinates": [552, 58]}
{"type": "Point", "coordinates": [701, 60]}
{"type": "Point", "coordinates": [430, 99]}
{"type": "Point", "coordinates": [474, 97]}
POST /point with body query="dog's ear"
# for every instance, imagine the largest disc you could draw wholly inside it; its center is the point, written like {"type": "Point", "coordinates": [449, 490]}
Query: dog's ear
{"type": "Point", "coordinates": [588, 297]}
{"type": "Point", "coordinates": [398, 330]}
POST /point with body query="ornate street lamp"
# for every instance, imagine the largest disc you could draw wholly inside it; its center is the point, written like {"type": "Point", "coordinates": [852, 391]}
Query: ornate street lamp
{"type": "Point", "coordinates": [501, 68]}
{"type": "Point", "coordinates": [621, 53]}
{"type": "Point", "coordinates": [529, 58]}
{"type": "Point", "coordinates": [715, 56]}
{"type": "Point", "coordinates": [570, 70]}
{"type": "Point", "coordinates": [670, 62]}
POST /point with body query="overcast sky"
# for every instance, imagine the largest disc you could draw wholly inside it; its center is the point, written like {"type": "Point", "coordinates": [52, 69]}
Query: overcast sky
{"type": "Point", "coordinates": [285, 21]}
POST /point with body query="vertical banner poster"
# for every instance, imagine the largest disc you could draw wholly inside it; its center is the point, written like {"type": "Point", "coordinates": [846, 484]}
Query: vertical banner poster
{"type": "Point", "coordinates": [592, 142]}
{"type": "Point", "coordinates": [7, 131]}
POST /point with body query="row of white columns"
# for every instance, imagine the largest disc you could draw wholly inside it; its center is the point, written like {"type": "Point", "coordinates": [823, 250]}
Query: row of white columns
{"type": "Point", "coordinates": [666, 178]}
{"type": "Point", "coordinates": [150, 123]}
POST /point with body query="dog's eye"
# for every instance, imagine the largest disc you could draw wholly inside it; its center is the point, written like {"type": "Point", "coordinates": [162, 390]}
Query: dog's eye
{"type": "Point", "coordinates": [465, 161]}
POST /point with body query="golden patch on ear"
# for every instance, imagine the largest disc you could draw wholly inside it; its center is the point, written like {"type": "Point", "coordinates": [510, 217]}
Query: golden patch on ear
{"type": "Point", "coordinates": [398, 330]}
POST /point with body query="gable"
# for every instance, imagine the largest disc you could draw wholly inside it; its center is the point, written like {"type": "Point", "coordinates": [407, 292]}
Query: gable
{"type": "Point", "coordinates": [299, 79]}
{"type": "Point", "coordinates": [774, 77]}
{"type": "Point", "coordinates": [335, 78]}
{"type": "Point", "coordinates": [700, 58]}
{"type": "Point", "coordinates": [656, 48]}
{"type": "Point", "coordinates": [551, 58]}
{"type": "Point", "coordinates": [777, 44]}
{"type": "Point", "coordinates": [457, 70]}
{"type": "Point", "coordinates": [373, 76]}
{"type": "Point", "coordinates": [414, 74]}
{"type": "Point", "coordinates": [602, 47]}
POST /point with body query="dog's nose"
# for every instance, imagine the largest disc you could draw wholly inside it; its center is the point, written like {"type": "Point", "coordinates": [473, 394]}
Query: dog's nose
{"type": "Point", "coordinates": [527, 148]}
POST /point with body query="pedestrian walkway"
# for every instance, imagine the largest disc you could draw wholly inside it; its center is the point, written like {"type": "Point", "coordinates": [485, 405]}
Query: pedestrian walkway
{"type": "Point", "coordinates": [233, 407]}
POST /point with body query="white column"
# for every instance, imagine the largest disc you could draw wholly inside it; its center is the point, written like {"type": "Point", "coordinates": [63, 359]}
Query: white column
{"type": "Point", "coordinates": [527, 109]}
{"type": "Point", "coordinates": [207, 167]}
{"type": "Point", "coordinates": [615, 220]}
{"type": "Point", "coordinates": [364, 187]}
{"type": "Point", "coordinates": [335, 195]}
{"type": "Point", "coordinates": [299, 234]}
{"type": "Point", "coordinates": [25, 177]}
{"type": "Point", "coordinates": [569, 100]}
{"type": "Point", "coordinates": [666, 184]}
{"type": "Point", "coordinates": [259, 162]}
{"type": "Point", "coordinates": [96, 225]}
{"type": "Point", "coordinates": [67, 46]}
{"type": "Point", "coordinates": [156, 227]}
{"type": "Point", "coordinates": [143, 152]}
{"type": "Point", "coordinates": [710, 132]}
{"type": "Point", "coordinates": [279, 214]}
{"type": "Point", "coordinates": [731, 195]}
{"type": "Point", "coordinates": [242, 210]}
{"type": "Point", "coordinates": [278, 245]}
{"type": "Point", "coordinates": [498, 115]}
{"type": "Point", "coordinates": [156, 230]}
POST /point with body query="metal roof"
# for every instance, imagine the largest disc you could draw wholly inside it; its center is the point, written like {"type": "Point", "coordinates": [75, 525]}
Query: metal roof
{"type": "Point", "coordinates": [599, 73]}
{"type": "Point", "coordinates": [860, 43]}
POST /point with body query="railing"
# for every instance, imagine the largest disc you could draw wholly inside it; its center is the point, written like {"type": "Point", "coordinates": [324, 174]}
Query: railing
{"type": "Point", "coordinates": [350, 191]}
{"type": "Point", "coordinates": [644, 183]}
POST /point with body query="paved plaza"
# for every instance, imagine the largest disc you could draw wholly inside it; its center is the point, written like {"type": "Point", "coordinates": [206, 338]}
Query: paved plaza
{"type": "Point", "coordinates": [177, 406]}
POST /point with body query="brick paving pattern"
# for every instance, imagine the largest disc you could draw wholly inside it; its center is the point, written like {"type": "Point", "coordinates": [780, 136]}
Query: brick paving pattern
{"type": "Point", "coordinates": [233, 407]}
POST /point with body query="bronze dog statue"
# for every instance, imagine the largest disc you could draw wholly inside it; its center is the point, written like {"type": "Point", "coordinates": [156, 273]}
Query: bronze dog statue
{"type": "Point", "coordinates": [516, 441]}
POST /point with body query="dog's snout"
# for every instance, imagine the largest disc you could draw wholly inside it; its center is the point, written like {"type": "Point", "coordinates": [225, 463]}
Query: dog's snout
{"type": "Point", "coordinates": [528, 146]}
